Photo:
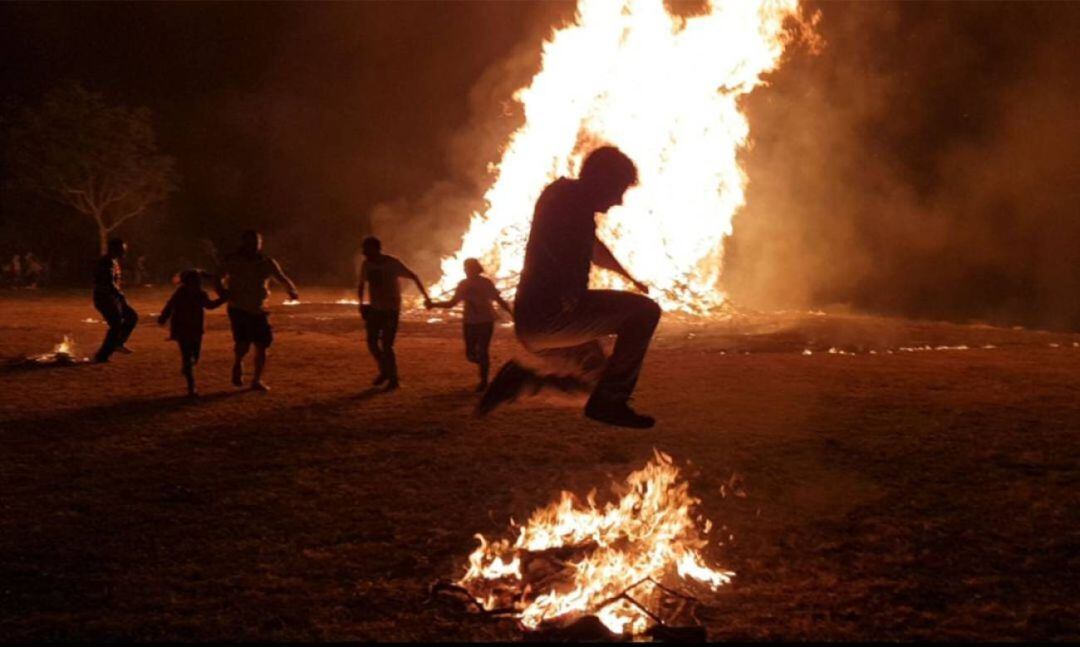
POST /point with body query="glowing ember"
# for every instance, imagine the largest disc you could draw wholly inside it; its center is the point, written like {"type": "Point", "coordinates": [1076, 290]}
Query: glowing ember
{"type": "Point", "coordinates": [573, 559]}
{"type": "Point", "coordinates": [664, 89]}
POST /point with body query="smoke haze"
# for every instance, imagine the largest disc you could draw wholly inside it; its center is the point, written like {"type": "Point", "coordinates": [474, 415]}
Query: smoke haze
{"type": "Point", "coordinates": [925, 163]}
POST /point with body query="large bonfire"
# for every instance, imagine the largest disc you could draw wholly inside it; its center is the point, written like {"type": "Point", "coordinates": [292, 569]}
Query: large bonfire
{"type": "Point", "coordinates": [617, 562]}
{"type": "Point", "coordinates": [663, 88]}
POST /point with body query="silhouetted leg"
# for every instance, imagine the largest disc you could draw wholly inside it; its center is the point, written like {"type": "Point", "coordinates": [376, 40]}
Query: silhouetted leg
{"type": "Point", "coordinates": [188, 357]}
{"type": "Point", "coordinates": [241, 344]}
{"type": "Point", "coordinates": [469, 335]}
{"type": "Point", "coordinates": [130, 319]}
{"type": "Point", "coordinates": [482, 351]}
{"type": "Point", "coordinates": [258, 332]}
{"type": "Point", "coordinates": [260, 364]}
{"type": "Point", "coordinates": [388, 335]}
{"type": "Point", "coordinates": [373, 328]}
{"type": "Point", "coordinates": [568, 344]}
{"type": "Point", "coordinates": [112, 313]}
{"type": "Point", "coordinates": [623, 368]}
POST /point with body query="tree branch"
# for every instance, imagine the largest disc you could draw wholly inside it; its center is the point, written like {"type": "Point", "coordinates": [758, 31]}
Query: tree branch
{"type": "Point", "coordinates": [127, 216]}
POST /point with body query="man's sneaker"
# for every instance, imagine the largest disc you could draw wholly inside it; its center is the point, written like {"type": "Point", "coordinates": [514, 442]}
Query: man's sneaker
{"type": "Point", "coordinates": [259, 386]}
{"type": "Point", "coordinates": [124, 349]}
{"type": "Point", "coordinates": [392, 385]}
{"type": "Point", "coordinates": [618, 414]}
{"type": "Point", "coordinates": [506, 386]}
{"type": "Point", "coordinates": [237, 375]}
{"type": "Point", "coordinates": [379, 379]}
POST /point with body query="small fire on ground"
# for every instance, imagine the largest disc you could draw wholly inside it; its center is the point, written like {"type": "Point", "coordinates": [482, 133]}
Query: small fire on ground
{"type": "Point", "coordinates": [628, 563]}
{"type": "Point", "coordinates": [62, 353]}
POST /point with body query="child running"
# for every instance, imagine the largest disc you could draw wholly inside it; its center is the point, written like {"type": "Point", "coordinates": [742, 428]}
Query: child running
{"type": "Point", "coordinates": [478, 292]}
{"type": "Point", "coordinates": [185, 309]}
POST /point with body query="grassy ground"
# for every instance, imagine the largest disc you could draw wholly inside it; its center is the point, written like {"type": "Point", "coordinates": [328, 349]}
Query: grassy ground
{"type": "Point", "coordinates": [912, 495]}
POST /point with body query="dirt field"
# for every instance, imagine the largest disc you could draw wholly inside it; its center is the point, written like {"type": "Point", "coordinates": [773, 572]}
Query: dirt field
{"type": "Point", "coordinates": [906, 495]}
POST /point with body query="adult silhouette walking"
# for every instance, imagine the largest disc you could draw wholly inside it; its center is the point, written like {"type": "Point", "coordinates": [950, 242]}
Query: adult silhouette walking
{"type": "Point", "coordinates": [247, 274]}
{"type": "Point", "coordinates": [559, 319]}
{"type": "Point", "coordinates": [110, 301]}
{"type": "Point", "coordinates": [382, 313]}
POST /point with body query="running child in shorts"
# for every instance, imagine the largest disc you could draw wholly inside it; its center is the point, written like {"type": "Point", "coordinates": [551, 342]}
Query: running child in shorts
{"type": "Point", "coordinates": [185, 311]}
{"type": "Point", "coordinates": [478, 293]}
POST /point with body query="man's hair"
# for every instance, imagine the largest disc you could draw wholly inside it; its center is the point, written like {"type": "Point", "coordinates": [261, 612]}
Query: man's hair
{"type": "Point", "coordinates": [474, 263]}
{"type": "Point", "coordinates": [373, 242]}
{"type": "Point", "coordinates": [609, 166]}
{"type": "Point", "coordinates": [115, 243]}
{"type": "Point", "coordinates": [191, 278]}
{"type": "Point", "coordinates": [249, 233]}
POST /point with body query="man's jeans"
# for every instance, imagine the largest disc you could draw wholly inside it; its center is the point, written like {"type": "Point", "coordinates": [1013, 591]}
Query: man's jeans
{"type": "Point", "coordinates": [568, 343]}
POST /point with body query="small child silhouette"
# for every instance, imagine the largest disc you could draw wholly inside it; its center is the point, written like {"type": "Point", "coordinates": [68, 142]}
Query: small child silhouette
{"type": "Point", "coordinates": [478, 293]}
{"type": "Point", "coordinates": [185, 310]}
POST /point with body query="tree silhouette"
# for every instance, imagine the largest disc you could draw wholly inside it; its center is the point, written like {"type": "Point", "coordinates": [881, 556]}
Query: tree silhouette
{"type": "Point", "coordinates": [100, 160]}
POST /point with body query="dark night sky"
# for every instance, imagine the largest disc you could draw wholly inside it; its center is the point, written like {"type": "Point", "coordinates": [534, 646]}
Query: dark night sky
{"type": "Point", "coordinates": [280, 114]}
{"type": "Point", "coordinates": [925, 162]}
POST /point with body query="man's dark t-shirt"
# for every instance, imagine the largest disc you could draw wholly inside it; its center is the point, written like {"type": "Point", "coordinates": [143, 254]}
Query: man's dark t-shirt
{"type": "Point", "coordinates": [107, 277]}
{"type": "Point", "coordinates": [559, 251]}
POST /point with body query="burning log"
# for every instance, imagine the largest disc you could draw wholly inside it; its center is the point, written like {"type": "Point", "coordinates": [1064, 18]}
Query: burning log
{"type": "Point", "coordinates": [576, 566]}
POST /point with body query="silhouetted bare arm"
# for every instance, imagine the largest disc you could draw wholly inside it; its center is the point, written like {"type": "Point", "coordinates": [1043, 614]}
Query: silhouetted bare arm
{"type": "Point", "coordinates": [449, 303]}
{"type": "Point", "coordinates": [504, 305]}
{"type": "Point", "coordinates": [602, 257]}
{"type": "Point", "coordinates": [279, 275]}
{"type": "Point", "coordinates": [167, 311]}
{"type": "Point", "coordinates": [409, 274]}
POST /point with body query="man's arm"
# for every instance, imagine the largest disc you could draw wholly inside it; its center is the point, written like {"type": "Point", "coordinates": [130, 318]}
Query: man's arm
{"type": "Point", "coordinates": [411, 275]}
{"type": "Point", "coordinates": [602, 257]}
{"type": "Point", "coordinates": [504, 305]}
{"type": "Point", "coordinates": [279, 275]}
{"type": "Point", "coordinates": [498, 298]}
{"type": "Point", "coordinates": [166, 312]}
{"type": "Point", "coordinates": [453, 301]}
{"type": "Point", "coordinates": [211, 304]}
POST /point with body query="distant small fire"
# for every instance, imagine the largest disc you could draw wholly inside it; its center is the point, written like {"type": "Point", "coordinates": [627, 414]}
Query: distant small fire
{"type": "Point", "coordinates": [619, 563]}
{"type": "Point", "coordinates": [62, 353]}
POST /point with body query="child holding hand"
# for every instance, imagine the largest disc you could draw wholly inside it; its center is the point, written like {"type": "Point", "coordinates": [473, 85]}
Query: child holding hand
{"type": "Point", "coordinates": [479, 294]}
{"type": "Point", "coordinates": [185, 311]}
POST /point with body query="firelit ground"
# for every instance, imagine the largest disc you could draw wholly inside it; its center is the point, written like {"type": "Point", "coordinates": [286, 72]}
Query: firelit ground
{"type": "Point", "coordinates": [911, 494]}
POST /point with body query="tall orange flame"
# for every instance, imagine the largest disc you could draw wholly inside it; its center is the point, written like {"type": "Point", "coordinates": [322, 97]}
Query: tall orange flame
{"type": "Point", "coordinates": [663, 88]}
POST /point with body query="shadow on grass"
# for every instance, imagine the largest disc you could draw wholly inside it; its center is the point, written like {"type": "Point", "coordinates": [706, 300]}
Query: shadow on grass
{"type": "Point", "coordinates": [62, 423]}
{"type": "Point", "coordinates": [26, 365]}
{"type": "Point", "coordinates": [367, 394]}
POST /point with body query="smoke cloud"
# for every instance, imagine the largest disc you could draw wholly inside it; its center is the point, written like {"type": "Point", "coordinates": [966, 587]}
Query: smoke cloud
{"type": "Point", "coordinates": [925, 163]}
